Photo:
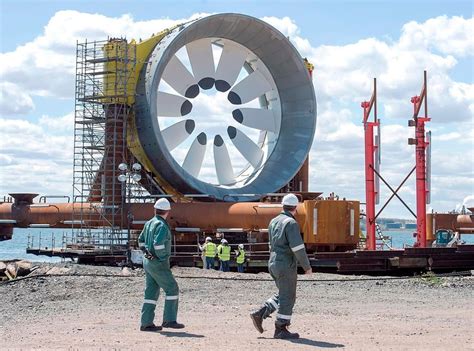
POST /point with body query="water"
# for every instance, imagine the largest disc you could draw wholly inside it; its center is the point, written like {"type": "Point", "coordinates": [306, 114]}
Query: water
{"type": "Point", "coordinates": [16, 247]}
{"type": "Point", "coordinates": [401, 238]}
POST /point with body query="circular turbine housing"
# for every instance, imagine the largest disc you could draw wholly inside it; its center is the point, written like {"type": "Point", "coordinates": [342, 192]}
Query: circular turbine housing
{"type": "Point", "coordinates": [294, 87]}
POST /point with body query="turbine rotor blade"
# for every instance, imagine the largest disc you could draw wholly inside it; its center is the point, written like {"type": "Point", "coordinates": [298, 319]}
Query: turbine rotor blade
{"type": "Point", "coordinates": [230, 64]}
{"type": "Point", "coordinates": [249, 88]}
{"type": "Point", "coordinates": [170, 105]}
{"type": "Point", "coordinates": [177, 133]}
{"type": "Point", "coordinates": [180, 79]}
{"type": "Point", "coordinates": [257, 118]}
{"type": "Point", "coordinates": [202, 62]}
{"type": "Point", "coordinates": [195, 156]}
{"type": "Point", "coordinates": [224, 170]}
{"type": "Point", "coordinates": [246, 146]}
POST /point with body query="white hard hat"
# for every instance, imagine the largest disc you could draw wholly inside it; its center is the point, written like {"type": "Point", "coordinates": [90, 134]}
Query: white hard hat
{"type": "Point", "coordinates": [290, 200]}
{"type": "Point", "coordinates": [241, 246]}
{"type": "Point", "coordinates": [162, 204]}
{"type": "Point", "coordinates": [223, 241]}
{"type": "Point", "coordinates": [208, 238]}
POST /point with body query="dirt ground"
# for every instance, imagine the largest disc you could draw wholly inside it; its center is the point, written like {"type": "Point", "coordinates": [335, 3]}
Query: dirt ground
{"type": "Point", "coordinates": [93, 312]}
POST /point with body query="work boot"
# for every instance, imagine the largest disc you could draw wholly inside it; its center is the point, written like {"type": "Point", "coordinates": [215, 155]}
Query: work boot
{"type": "Point", "coordinates": [173, 325]}
{"type": "Point", "coordinates": [257, 318]}
{"type": "Point", "coordinates": [282, 332]}
{"type": "Point", "coordinates": [150, 328]}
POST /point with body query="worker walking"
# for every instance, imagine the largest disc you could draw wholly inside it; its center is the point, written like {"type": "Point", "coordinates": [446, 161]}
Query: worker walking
{"type": "Point", "coordinates": [286, 248]}
{"type": "Point", "coordinates": [223, 252]}
{"type": "Point", "coordinates": [209, 250]}
{"type": "Point", "coordinates": [155, 242]}
{"type": "Point", "coordinates": [240, 258]}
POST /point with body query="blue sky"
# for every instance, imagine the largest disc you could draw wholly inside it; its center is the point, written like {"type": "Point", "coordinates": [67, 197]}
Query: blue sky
{"type": "Point", "coordinates": [350, 42]}
{"type": "Point", "coordinates": [323, 22]}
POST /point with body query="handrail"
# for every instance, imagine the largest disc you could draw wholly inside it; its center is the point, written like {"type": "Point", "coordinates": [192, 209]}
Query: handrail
{"type": "Point", "coordinates": [192, 196]}
{"type": "Point", "coordinates": [298, 195]}
{"type": "Point", "coordinates": [44, 197]}
{"type": "Point", "coordinates": [239, 195]}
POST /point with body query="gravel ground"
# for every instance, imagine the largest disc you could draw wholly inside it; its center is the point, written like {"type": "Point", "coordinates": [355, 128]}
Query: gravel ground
{"type": "Point", "coordinates": [94, 312]}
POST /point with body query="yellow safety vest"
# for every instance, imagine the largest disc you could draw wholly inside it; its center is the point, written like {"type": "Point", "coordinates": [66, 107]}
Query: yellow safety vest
{"type": "Point", "coordinates": [223, 252]}
{"type": "Point", "coordinates": [210, 249]}
{"type": "Point", "coordinates": [241, 257]}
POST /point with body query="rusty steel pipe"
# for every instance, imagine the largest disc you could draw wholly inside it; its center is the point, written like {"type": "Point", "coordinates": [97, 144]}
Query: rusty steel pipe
{"type": "Point", "coordinates": [465, 220]}
{"type": "Point", "coordinates": [25, 215]}
{"type": "Point", "coordinates": [206, 216]}
{"type": "Point", "coordinates": [327, 224]}
{"type": "Point", "coordinates": [458, 223]}
{"type": "Point", "coordinates": [249, 216]}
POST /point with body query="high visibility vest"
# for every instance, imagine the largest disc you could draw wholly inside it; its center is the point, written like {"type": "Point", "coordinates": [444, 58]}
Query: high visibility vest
{"type": "Point", "coordinates": [241, 257]}
{"type": "Point", "coordinates": [210, 249]}
{"type": "Point", "coordinates": [223, 252]}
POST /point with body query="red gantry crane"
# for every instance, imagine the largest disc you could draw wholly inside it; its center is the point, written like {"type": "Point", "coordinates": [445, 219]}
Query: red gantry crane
{"type": "Point", "coordinates": [422, 166]}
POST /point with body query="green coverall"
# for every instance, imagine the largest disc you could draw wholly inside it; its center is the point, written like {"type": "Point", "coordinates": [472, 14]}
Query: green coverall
{"type": "Point", "coordinates": [286, 247]}
{"type": "Point", "coordinates": [156, 238]}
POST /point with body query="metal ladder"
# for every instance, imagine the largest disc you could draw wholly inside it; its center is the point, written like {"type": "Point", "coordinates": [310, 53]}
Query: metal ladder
{"type": "Point", "coordinates": [381, 237]}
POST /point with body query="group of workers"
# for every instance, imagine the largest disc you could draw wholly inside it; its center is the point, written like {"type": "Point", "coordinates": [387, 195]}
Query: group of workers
{"type": "Point", "coordinates": [223, 252]}
{"type": "Point", "coordinates": [286, 251]}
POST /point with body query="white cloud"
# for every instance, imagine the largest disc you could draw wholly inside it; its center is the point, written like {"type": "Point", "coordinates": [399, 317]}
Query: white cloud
{"type": "Point", "coordinates": [468, 201]}
{"type": "Point", "coordinates": [448, 136]}
{"type": "Point", "coordinates": [58, 124]}
{"type": "Point", "coordinates": [39, 155]}
{"type": "Point", "coordinates": [13, 100]}
{"type": "Point", "coordinates": [46, 65]}
{"type": "Point", "coordinates": [6, 160]}
{"type": "Point", "coordinates": [285, 25]}
{"type": "Point", "coordinates": [345, 72]}
{"type": "Point", "coordinates": [449, 35]}
{"type": "Point", "coordinates": [34, 158]}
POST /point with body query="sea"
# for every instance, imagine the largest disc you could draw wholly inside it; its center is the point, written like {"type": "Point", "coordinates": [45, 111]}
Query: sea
{"type": "Point", "coordinates": [53, 238]}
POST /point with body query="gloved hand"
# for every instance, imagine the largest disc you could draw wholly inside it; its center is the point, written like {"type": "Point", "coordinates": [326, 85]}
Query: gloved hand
{"type": "Point", "coordinates": [147, 254]}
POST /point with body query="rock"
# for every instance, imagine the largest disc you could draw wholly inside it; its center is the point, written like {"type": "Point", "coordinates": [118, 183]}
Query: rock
{"type": "Point", "coordinates": [22, 268]}
{"type": "Point", "coordinates": [11, 270]}
{"type": "Point", "coordinates": [3, 267]}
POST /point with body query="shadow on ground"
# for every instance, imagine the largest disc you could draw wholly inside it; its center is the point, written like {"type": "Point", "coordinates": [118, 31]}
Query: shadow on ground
{"type": "Point", "coordinates": [309, 342]}
{"type": "Point", "coordinates": [304, 341]}
{"type": "Point", "coordinates": [181, 334]}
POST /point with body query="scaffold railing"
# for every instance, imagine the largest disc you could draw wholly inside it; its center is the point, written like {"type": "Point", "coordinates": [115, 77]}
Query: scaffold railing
{"type": "Point", "coordinates": [105, 83]}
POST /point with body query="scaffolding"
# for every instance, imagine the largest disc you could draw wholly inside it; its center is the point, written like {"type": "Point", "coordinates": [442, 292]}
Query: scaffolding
{"type": "Point", "coordinates": [105, 86]}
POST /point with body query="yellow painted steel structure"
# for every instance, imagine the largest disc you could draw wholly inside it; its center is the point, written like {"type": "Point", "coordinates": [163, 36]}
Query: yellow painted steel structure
{"type": "Point", "coordinates": [119, 54]}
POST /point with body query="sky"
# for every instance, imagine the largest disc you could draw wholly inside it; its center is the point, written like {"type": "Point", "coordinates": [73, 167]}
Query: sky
{"type": "Point", "coordinates": [349, 43]}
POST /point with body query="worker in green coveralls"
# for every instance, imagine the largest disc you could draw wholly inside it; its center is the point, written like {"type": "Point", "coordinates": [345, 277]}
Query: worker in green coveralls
{"type": "Point", "coordinates": [155, 242]}
{"type": "Point", "coordinates": [286, 248]}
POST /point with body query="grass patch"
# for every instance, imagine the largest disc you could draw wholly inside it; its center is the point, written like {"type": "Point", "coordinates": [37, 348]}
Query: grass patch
{"type": "Point", "coordinates": [431, 279]}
